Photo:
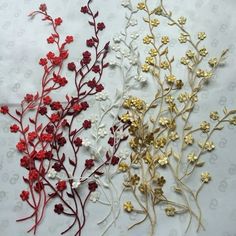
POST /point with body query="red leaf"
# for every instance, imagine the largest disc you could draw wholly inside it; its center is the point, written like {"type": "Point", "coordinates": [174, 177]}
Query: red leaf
{"type": "Point", "coordinates": [36, 96]}
{"type": "Point", "coordinates": [25, 180]}
{"type": "Point", "coordinates": [95, 39]}
{"type": "Point", "coordinates": [67, 98]}
{"type": "Point", "coordinates": [106, 46]}
{"type": "Point", "coordinates": [69, 195]}
{"type": "Point", "coordinates": [91, 23]}
{"type": "Point", "coordinates": [72, 162]}
{"type": "Point", "coordinates": [18, 113]}
{"type": "Point", "coordinates": [52, 195]}
{"type": "Point", "coordinates": [96, 14]}
{"type": "Point", "coordinates": [63, 158]}
{"type": "Point", "coordinates": [98, 173]}
{"type": "Point", "coordinates": [105, 65]}
{"type": "Point", "coordinates": [26, 129]}
{"type": "Point", "coordinates": [32, 121]}
{"type": "Point", "coordinates": [39, 127]}
{"type": "Point", "coordinates": [73, 132]}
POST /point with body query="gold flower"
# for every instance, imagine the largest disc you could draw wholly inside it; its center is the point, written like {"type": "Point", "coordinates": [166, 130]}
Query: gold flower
{"type": "Point", "coordinates": [145, 67]}
{"type": "Point", "coordinates": [165, 39]}
{"type": "Point", "coordinates": [232, 121]}
{"type": "Point", "coordinates": [203, 52]}
{"type": "Point", "coordinates": [205, 127]}
{"type": "Point", "coordinates": [170, 79]}
{"type": "Point", "coordinates": [182, 20]}
{"type": "Point", "coordinates": [170, 211]}
{"type": "Point", "coordinates": [179, 84]}
{"type": "Point", "coordinates": [173, 136]}
{"type": "Point", "coordinates": [169, 99]}
{"type": "Point", "coordinates": [192, 157]}
{"type": "Point", "coordinates": [164, 65]}
{"type": "Point", "coordinates": [164, 121]}
{"type": "Point", "coordinates": [153, 52]}
{"type": "Point", "coordinates": [183, 97]}
{"type": "Point", "coordinates": [201, 35]}
{"type": "Point", "coordinates": [214, 115]}
{"type": "Point", "coordinates": [209, 146]}
{"type": "Point", "coordinates": [213, 62]}
{"type": "Point", "coordinates": [184, 61]}
{"type": "Point", "coordinates": [161, 181]}
{"type": "Point", "coordinates": [128, 207]}
{"type": "Point", "coordinates": [123, 166]}
{"type": "Point", "coordinates": [205, 177]}
{"type": "Point", "coordinates": [154, 22]}
{"type": "Point", "coordinates": [141, 5]}
{"type": "Point", "coordinates": [163, 160]}
{"type": "Point", "coordinates": [183, 38]}
{"type": "Point", "coordinates": [149, 60]}
{"type": "Point", "coordinates": [147, 39]}
{"type": "Point", "coordinates": [158, 11]}
{"type": "Point", "coordinates": [190, 54]}
{"type": "Point", "coordinates": [134, 180]}
{"type": "Point", "coordinates": [143, 188]}
{"type": "Point", "coordinates": [188, 139]}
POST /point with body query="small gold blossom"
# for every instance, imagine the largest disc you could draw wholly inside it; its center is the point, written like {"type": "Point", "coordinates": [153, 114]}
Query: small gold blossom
{"type": "Point", "coordinates": [161, 181]}
{"type": "Point", "coordinates": [125, 117]}
{"type": "Point", "coordinates": [164, 65]}
{"type": "Point", "coordinates": [165, 39]}
{"type": "Point", "coordinates": [170, 79]}
{"type": "Point", "coordinates": [205, 177]}
{"type": "Point", "coordinates": [128, 206]}
{"type": "Point", "coordinates": [169, 99]}
{"type": "Point", "coordinates": [232, 120]}
{"type": "Point", "coordinates": [203, 52]}
{"type": "Point", "coordinates": [164, 121]}
{"type": "Point", "coordinates": [153, 52]}
{"type": "Point", "coordinates": [213, 62]}
{"type": "Point", "coordinates": [183, 97]}
{"type": "Point", "coordinates": [179, 84]}
{"type": "Point", "coordinates": [158, 11]}
{"type": "Point", "coordinates": [141, 5]}
{"type": "Point", "coordinates": [160, 142]}
{"type": "Point", "coordinates": [214, 115]}
{"type": "Point", "coordinates": [163, 160]}
{"type": "Point", "coordinates": [170, 211]}
{"type": "Point", "coordinates": [158, 195]}
{"type": "Point", "coordinates": [182, 20]}
{"type": "Point", "coordinates": [183, 38]}
{"type": "Point", "coordinates": [145, 67]}
{"type": "Point", "coordinates": [123, 166]}
{"type": "Point", "coordinates": [143, 188]}
{"type": "Point", "coordinates": [184, 61]}
{"type": "Point", "coordinates": [188, 139]}
{"type": "Point", "coordinates": [134, 180]}
{"type": "Point", "coordinates": [192, 157]}
{"type": "Point", "coordinates": [205, 127]}
{"type": "Point", "coordinates": [173, 136]}
{"type": "Point", "coordinates": [190, 54]}
{"type": "Point", "coordinates": [154, 22]}
{"type": "Point", "coordinates": [201, 35]}
{"type": "Point", "coordinates": [147, 39]}
{"type": "Point", "coordinates": [209, 146]}
{"type": "Point", "coordinates": [149, 60]}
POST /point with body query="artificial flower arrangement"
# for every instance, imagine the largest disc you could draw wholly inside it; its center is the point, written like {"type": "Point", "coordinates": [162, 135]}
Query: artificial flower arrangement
{"type": "Point", "coordinates": [163, 144]}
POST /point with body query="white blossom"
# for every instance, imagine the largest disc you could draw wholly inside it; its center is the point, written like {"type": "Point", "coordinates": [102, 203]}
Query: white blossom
{"type": "Point", "coordinates": [125, 3]}
{"type": "Point", "coordinates": [76, 184]}
{"type": "Point", "coordinates": [102, 132]}
{"type": "Point", "coordinates": [101, 96]}
{"type": "Point", "coordinates": [134, 35]}
{"type": "Point", "coordinates": [52, 174]}
{"type": "Point", "coordinates": [86, 142]}
{"type": "Point", "coordinates": [94, 196]}
{"type": "Point", "coordinates": [133, 22]}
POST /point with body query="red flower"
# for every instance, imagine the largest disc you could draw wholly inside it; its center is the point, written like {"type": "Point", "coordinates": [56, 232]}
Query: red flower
{"type": "Point", "coordinates": [87, 124]}
{"type": "Point", "coordinates": [61, 141]}
{"type": "Point", "coordinates": [55, 117]}
{"type": "Point", "coordinates": [47, 100]}
{"type": "Point", "coordinates": [111, 141]}
{"type": "Point", "coordinates": [77, 107]}
{"type": "Point", "coordinates": [4, 110]}
{"type": "Point", "coordinates": [56, 60]}
{"type": "Point", "coordinates": [50, 129]}
{"type": "Point", "coordinates": [50, 55]}
{"type": "Point", "coordinates": [25, 161]}
{"type": "Point", "coordinates": [115, 160]}
{"type": "Point", "coordinates": [29, 97]}
{"type": "Point", "coordinates": [56, 106]}
{"type": "Point", "coordinates": [57, 167]}
{"type": "Point", "coordinates": [69, 39]}
{"type": "Point", "coordinates": [90, 42]}
{"type": "Point", "coordinates": [24, 195]}
{"type": "Point", "coordinates": [86, 57]}
{"type": "Point", "coordinates": [59, 80]}
{"type": "Point", "coordinates": [39, 186]}
{"type": "Point", "coordinates": [61, 185]}
{"type": "Point", "coordinates": [96, 69]}
{"type": "Point", "coordinates": [43, 7]}
{"type": "Point", "coordinates": [43, 110]}
{"type": "Point", "coordinates": [71, 66]}
{"type": "Point", "coordinates": [78, 142]}
{"type": "Point", "coordinates": [47, 137]}
{"type": "Point", "coordinates": [92, 83]}
{"type": "Point", "coordinates": [89, 163]}
{"type": "Point", "coordinates": [33, 175]}
{"type": "Point", "coordinates": [64, 123]}
{"type": "Point", "coordinates": [43, 61]}
{"type": "Point", "coordinates": [32, 136]}
{"type": "Point", "coordinates": [50, 39]}
{"type": "Point", "coordinates": [64, 54]}
{"type": "Point", "coordinates": [41, 154]}
{"type": "Point", "coordinates": [84, 105]}
{"type": "Point", "coordinates": [14, 128]}
{"type": "Point", "coordinates": [84, 9]}
{"type": "Point", "coordinates": [21, 146]}
{"type": "Point", "coordinates": [99, 88]}
{"type": "Point", "coordinates": [58, 208]}
{"type": "Point", "coordinates": [100, 26]}
{"type": "Point", "coordinates": [58, 21]}
{"type": "Point", "coordinates": [92, 186]}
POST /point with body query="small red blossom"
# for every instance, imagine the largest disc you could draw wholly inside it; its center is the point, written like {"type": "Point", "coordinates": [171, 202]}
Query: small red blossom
{"type": "Point", "coordinates": [92, 83]}
{"type": "Point", "coordinates": [25, 161]}
{"type": "Point", "coordinates": [61, 185]}
{"type": "Point", "coordinates": [115, 160]}
{"type": "Point", "coordinates": [69, 39]}
{"type": "Point", "coordinates": [99, 88]}
{"type": "Point", "coordinates": [59, 80]}
{"type": "Point", "coordinates": [43, 61]}
{"type": "Point", "coordinates": [55, 117]}
{"type": "Point", "coordinates": [50, 129]}
{"type": "Point", "coordinates": [84, 106]}
{"type": "Point", "coordinates": [111, 141]}
{"type": "Point", "coordinates": [50, 39]}
{"type": "Point", "coordinates": [89, 163]}
{"type": "Point", "coordinates": [56, 61]}
{"type": "Point", "coordinates": [96, 69]}
{"type": "Point", "coordinates": [4, 110]}
{"type": "Point", "coordinates": [86, 57]}
{"type": "Point", "coordinates": [64, 54]}
{"type": "Point", "coordinates": [71, 66]}
{"type": "Point", "coordinates": [56, 106]}
{"type": "Point", "coordinates": [32, 136]}
{"type": "Point", "coordinates": [41, 154]}
{"type": "Point", "coordinates": [77, 107]}
{"type": "Point", "coordinates": [58, 208]}
{"type": "Point", "coordinates": [43, 7]}
{"type": "Point", "coordinates": [100, 26]}
{"type": "Point", "coordinates": [78, 142]}
{"type": "Point", "coordinates": [57, 167]}
{"type": "Point", "coordinates": [47, 100]}
{"type": "Point", "coordinates": [64, 123]}
{"type": "Point", "coordinates": [33, 175]}
{"type": "Point", "coordinates": [61, 141]}
{"type": "Point", "coordinates": [87, 124]}
{"type": "Point", "coordinates": [38, 187]}
{"type": "Point", "coordinates": [90, 43]}
{"type": "Point", "coordinates": [58, 21]}
{"type": "Point", "coordinates": [43, 110]}
{"type": "Point", "coordinates": [29, 97]}
{"type": "Point", "coordinates": [21, 146]}
{"type": "Point", "coordinates": [14, 128]}
{"type": "Point", "coordinates": [50, 55]}
{"type": "Point", "coordinates": [24, 195]}
{"type": "Point", "coordinates": [47, 137]}
{"type": "Point", "coordinates": [92, 186]}
{"type": "Point", "coordinates": [84, 9]}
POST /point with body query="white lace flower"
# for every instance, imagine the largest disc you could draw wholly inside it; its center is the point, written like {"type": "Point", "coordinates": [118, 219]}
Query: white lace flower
{"type": "Point", "coordinates": [76, 184]}
{"type": "Point", "coordinates": [125, 3]}
{"type": "Point", "coordinates": [102, 132]}
{"type": "Point", "coordinates": [134, 35]}
{"type": "Point", "coordinates": [125, 52]}
{"type": "Point", "coordinates": [86, 142]}
{"type": "Point", "coordinates": [115, 47]}
{"type": "Point", "coordinates": [52, 174]}
{"type": "Point", "coordinates": [102, 96]}
{"type": "Point", "coordinates": [124, 154]}
{"type": "Point", "coordinates": [133, 22]}
{"type": "Point", "coordinates": [117, 38]}
{"type": "Point", "coordinates": [94, 119]}
{"type": "Point", "coordinates": [140, 78]}
{"type": "Point", "coordinates": [133, 60]}
{"type": "Point", "coordinates": [94, 196]}
{"type": "Point", "coordinates": [112, 63]}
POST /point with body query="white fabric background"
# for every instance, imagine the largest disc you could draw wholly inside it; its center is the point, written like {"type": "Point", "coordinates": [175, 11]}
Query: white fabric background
{"type": "Point", "coordinates": [21, 45]}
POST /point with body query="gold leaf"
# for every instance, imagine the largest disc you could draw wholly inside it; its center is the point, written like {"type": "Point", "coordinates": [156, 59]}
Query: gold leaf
{"type": "Point", "coordinates": [200, 164]}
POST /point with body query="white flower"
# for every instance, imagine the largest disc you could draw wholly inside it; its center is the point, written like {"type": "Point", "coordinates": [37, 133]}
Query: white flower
{"type": "Point", "coordinates": [94, 119]}
{"type": "Point", "coordinates": [125, 3]}
{"type": "Point", "coordinates": [86, 142]}
{"type": "Point", "coordinates": [102, 96]}
{"type": "Point", "coordinates": [140, 78]}
{"type": "Point", "coordinates": [125, 52]}
{"type": "Point", "coordinates": [112, 63]}
{"type": "Point", "coordinates": [133, 22]}
{"type": "Point", "coordinates": [117, 38]}
{"type": "Point", "coordinates": [94, 196]}
{"type": "Point", "coordinates": [133, 60]}
{"type": "Point", "coordinates": [52, 174]}
{"type": "Point", "coordinates": [124, 154]}
{"type": "Point", "coordinates": [76, 184]}
{"type": "Point", "coordinates": [102, 132]}
{"type": "Point", "coordinates": [134, 35]}
{"type": "Point", "coordinates": [115, 47]}
{"type": "Point", "coordinates": [163, 160]}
